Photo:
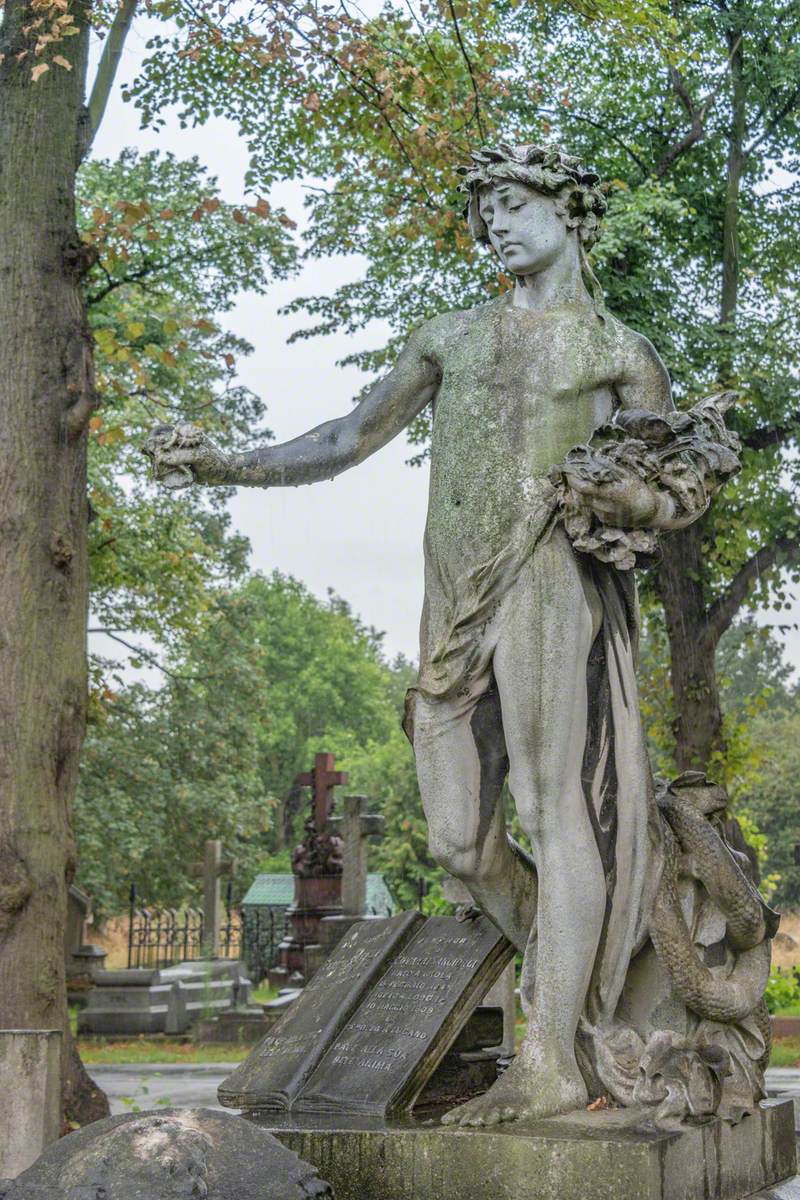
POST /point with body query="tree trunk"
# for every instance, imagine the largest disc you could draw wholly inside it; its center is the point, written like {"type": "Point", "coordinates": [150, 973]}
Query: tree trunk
{"type": "Point", "coordinates": [679, 579]}
{"type": "Point", "coordinates": [697, 726]}
{"type": "Point", "coordinates": [46, 394]}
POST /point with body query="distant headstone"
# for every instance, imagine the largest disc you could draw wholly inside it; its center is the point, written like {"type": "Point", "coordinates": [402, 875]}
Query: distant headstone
{"type": "Point", "coordinates": [80, 958]}
{"type": "Point", "coordinates": [211, 870]}
{"type": "Point", "coordinates": [166, 1000]}
{"type": "Point", "coordinates": [354, 827]}
{"type": "Point", "coordinates": [376, 1021]}
{"type": "Point", "coordinates": [177, 1153]}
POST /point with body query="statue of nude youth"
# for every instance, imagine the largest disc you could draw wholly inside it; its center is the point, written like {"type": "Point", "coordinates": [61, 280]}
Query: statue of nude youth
{"type": "Point", "coordinates": [511, 611]}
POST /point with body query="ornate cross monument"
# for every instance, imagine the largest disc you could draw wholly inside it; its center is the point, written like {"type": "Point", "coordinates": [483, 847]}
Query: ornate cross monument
{"type": "Point", "coordinates": [211, 870]}
{"type": "Point", "coordinates": [317, 868]}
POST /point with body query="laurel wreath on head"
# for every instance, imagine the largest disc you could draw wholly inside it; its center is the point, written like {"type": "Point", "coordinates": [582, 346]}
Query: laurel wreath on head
{"type": "Point", "coordinates": [548, 170]}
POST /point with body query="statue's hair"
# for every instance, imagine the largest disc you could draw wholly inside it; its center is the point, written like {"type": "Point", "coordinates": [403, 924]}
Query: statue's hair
{"type": "Point", "coordinates": [548, 170]}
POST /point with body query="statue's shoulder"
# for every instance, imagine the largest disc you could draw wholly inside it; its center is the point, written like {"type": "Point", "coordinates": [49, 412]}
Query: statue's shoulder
{"type": "Point", "coordinates": [446, 329]}
{"type": "Point", "coordinates": [631, 347]}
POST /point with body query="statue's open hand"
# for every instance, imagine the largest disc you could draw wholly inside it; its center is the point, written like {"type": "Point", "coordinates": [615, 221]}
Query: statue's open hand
{"type": "Point", "coordinates": [182, 455]}
{"type": "Point", "coordinates": [627, 503]}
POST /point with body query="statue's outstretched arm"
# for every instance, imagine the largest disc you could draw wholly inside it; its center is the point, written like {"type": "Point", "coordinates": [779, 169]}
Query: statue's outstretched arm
{"type": "Point", "coordinates": [182, 455]}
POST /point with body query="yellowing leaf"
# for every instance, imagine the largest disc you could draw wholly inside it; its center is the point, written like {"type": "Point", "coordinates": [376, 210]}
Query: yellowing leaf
{"type": "Point", "coordinates": [135, 329]}
{"type": "Point", "coordinates": [170, 325]}
{"type": "Point", "coordinates": [95, 423]}
{"type": "Point", "coordinates": [239, 217]}
{"type": "Point", "coordinates": [38, 71]}
{"type": "Point", "coordinates": [229, 360]}
{"type": "Point", "coordinates": [168, 358]}
{"type": "Point", "coordinates": [62, 62]}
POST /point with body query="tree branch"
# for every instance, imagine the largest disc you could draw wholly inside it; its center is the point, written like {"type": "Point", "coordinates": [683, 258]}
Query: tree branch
{"type": "Point", "coordinates": [569, 115]}
{"type": "Point", "coordinates": [147, 655]}
{"type": "Point", "coordinates": [725, 607]}
{"type": "Point", "coordinates": [697, 113]}
{"type": "Point", "coordinates": [466, 58]}
{"type": "Point", "coordinates": [792, 102]}
{"type": "Point", "coordinates": [772, 435]}
{"type": "Point", "coordinates": [107, 70]}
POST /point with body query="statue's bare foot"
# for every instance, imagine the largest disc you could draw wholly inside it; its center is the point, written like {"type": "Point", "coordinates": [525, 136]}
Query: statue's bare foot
{"type": "Point", "coordinates": [523, 1091]}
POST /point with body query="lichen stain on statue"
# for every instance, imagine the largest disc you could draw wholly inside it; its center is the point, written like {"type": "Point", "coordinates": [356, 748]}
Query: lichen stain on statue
{"type": "Point", "coordinates": [557, 461]}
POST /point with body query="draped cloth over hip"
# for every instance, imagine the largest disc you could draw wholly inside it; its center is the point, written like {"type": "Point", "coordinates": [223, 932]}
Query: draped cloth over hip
{"type": "Point", "coordinates": [457, 643]}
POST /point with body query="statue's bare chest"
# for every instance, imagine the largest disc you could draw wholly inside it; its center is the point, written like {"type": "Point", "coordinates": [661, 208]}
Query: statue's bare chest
{"type": "Point", "coordinates": [521, 387]}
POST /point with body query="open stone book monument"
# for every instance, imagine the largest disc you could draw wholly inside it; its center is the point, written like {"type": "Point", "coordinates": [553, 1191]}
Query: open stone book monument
{"type": "Point", "coordinates": [558, 460]}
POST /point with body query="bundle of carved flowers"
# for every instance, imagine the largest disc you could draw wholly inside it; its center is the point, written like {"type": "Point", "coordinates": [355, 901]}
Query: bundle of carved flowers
{"type": "Point", "coordinates": [688, 455]}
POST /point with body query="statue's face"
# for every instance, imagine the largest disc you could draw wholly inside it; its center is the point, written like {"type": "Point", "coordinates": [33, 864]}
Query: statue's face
{"type": "Point", "coordinates": [524, 227]}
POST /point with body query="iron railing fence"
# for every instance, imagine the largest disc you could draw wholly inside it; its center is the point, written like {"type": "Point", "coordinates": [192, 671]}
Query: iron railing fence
{"type": "Point", "coordinates": [161, 937]}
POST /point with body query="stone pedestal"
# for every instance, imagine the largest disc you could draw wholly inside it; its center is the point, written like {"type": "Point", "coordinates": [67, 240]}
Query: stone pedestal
{"type": "Point", "coordinates": [300, 952]}
{"type": "Point", "coordinates": [30, 1086]}
{"type": "Point", "coordinates": [580, 1156]}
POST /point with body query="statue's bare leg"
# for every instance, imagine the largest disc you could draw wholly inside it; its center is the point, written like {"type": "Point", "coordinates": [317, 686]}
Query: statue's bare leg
{"type": "Point", "coordinates": [540, 666]}
{"type": "Point", "coordinates": [461, 766]}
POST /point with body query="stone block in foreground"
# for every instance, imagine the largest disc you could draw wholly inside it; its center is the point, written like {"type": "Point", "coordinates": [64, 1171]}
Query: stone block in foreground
{"type": "Point", "coordinates": [580, 1156]}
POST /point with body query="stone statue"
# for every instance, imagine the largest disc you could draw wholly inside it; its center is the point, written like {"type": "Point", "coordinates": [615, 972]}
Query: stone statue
{"type": "Point", "coordinates": [557, 458]}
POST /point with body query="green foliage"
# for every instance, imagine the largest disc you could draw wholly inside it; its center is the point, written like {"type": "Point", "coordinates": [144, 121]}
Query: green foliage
{"type": "Point", "coordinates": [772, 801]}
{"type": "Point", "coordinates": [171, 259]}
{"type": "Point", "coordinates": [783, 990]}
{"type": "Point", "coordinates": [268, 676]}
{"type": "Point", "coordinates": [386, 773]}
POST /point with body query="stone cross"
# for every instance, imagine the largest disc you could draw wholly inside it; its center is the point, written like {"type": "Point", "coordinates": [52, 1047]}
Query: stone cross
{"type": "Point", "coordinates": [322, 779]}
{"type": "Point", "coordinates": [354, 827]}
{"type": "Point", "coordinates": [211, 869]}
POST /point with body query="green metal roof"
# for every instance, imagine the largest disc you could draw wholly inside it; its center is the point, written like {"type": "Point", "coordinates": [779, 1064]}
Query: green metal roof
{"type": "Point", "coordinates": [277, 891]}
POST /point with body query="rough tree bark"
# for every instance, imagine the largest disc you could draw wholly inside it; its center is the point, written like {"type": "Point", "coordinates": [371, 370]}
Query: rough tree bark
{"type": "Point", "coordinates": [46, 396]}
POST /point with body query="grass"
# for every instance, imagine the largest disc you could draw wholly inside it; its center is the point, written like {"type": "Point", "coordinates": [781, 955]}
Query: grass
{"type": "Point", "coordinates": [263, 994]}
{"type": "Point", "coordinates": [791, 1010]}
{"type": "Point", "coordinates": [785, 1052]}
{"type": "Point", "coordinates": [94, 1051]}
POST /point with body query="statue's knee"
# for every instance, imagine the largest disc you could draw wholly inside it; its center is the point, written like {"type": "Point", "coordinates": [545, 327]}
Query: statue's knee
{"type": "Point", "coordinates": [457, 860]}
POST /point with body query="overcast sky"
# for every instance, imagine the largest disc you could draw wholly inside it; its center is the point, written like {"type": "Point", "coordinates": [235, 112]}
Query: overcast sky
{"type": "Point", "coordinates": [360, 534]}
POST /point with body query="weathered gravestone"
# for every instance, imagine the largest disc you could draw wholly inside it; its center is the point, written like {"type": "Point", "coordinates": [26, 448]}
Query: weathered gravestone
{"type": "Point", "coordinates": [176, 1154]}
{"type": "Point", "coordinates": [375, 1022]}
{"type": "Point", "coordinates": [143, 1000]}
{"type": "Point", "coordinates": [30, 1095]}
{"type": "Point", "coordinates": [211, 870]}
{"type": "Point", "coordinates": [353, 827]}
{"type": "Point", "coordinates": [502, 994]}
